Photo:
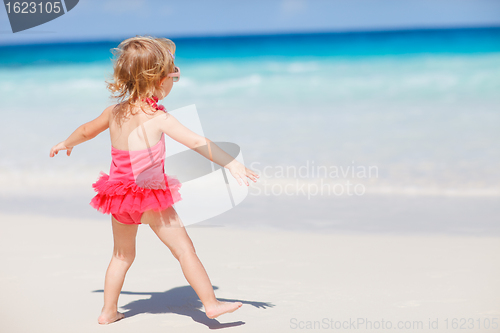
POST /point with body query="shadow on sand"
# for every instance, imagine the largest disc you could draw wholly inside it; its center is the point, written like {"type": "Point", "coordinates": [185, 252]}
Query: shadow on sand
{"type": "Point", "coordinates": [182, 301]}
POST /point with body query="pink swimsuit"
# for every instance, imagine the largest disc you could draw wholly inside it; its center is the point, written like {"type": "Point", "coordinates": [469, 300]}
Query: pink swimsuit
{"type": "Point", "coordinates": [136, 183]}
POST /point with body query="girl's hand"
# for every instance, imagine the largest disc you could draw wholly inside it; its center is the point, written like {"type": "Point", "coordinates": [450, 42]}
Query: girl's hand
{"type": "Point", "coordinates": [240, 172]}
{"type": "Point", "coordinates": [60, 146]}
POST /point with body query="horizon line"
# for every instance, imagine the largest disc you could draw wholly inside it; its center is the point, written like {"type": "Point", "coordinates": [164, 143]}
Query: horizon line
{"type": "Point", "coordinates": [188, 37]}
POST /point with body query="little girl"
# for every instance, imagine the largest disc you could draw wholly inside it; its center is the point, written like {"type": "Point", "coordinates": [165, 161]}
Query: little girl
{"type": "Point", "coordinates": [137, 191]}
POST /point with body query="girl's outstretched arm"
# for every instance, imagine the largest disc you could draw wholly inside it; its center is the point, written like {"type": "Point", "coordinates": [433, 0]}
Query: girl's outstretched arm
{"type": "Point", "coordinates": [214, 153]}
{"type": "Point", "coordinates": [180, 133]}
{"type": "Point", "coordinates": [84, 133]}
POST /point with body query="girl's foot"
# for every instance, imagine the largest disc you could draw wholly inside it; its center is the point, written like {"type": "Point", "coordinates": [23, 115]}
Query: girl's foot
{"type": "Point", "coordinates": [108, 319]}
{"type": "Point", "coordinates": [221, 308]}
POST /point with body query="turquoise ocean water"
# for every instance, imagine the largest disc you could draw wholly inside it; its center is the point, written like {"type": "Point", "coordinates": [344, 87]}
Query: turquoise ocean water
{"type": "Point", "coordinates": [421, 106]}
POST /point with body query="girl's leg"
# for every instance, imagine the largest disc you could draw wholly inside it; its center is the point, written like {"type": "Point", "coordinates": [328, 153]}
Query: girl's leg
{"type": "Point", "coordinates": [123, 256]}
{"type": "Point", "coordinates": [169, 228]}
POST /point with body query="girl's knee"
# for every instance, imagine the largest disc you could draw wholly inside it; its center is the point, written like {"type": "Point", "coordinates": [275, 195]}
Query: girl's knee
{"type": "Point", "coordinates": [125, 256]}
{"type": "Point", "coordinates": [182, 252]}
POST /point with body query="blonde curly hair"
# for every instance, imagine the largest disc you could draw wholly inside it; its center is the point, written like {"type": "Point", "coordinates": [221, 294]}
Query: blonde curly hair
{"type": "Point", "coordinates": [140, 63]}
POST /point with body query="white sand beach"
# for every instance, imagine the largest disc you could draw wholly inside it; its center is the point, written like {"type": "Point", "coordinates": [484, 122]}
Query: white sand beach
{"type": "Point", "coordinates": [53, 271]}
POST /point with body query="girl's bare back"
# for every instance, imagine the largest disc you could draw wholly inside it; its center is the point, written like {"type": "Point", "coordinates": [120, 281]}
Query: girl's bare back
{"type": "Point", "coordinates": [133, 128]}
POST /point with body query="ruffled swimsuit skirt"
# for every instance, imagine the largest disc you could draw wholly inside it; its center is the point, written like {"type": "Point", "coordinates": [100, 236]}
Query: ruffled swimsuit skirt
{"type": "Point", "coordinates": [136, 183]}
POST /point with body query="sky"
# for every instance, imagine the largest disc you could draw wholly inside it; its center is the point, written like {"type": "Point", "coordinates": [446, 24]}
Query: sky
{"type": "Point", "coordinates": [118, 19]}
